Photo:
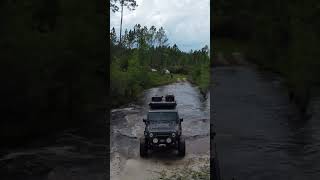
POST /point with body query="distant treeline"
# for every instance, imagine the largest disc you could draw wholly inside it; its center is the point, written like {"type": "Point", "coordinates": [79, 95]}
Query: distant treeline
{"type": "Point", "coordinates": [281, 35]}
{"type": "Point", "coordinates": [53, 68]}
{"type": "Point", "coordinates": [142, 49]}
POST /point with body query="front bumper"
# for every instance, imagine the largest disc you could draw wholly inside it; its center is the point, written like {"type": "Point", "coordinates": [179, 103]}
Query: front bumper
{"type": "Point", "coordinates": [162, 141]}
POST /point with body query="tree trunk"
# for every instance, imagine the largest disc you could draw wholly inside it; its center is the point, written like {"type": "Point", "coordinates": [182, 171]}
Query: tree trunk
{"type": "Point", "coordinates": [121, 20]}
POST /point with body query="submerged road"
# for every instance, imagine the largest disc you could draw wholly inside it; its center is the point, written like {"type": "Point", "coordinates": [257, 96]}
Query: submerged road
{"type": "Point", "coordinates": [127, 126]}
{"type": "Point", "coordinates": [259, 134]}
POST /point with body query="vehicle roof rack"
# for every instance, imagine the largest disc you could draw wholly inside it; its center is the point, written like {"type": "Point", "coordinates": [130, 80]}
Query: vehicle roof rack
{"type": "Point", "coordinates": [158, 102]}
{"type": "Point", "coordinates": [156, 98]}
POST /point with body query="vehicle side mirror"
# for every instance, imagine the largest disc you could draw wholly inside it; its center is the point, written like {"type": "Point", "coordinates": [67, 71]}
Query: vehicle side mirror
{"type": "Point", "coordinates": [181, 119]}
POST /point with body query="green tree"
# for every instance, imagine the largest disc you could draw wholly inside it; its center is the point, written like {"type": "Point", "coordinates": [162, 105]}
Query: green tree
{"type": "Point", "coordinates": [114, 5]}
{"type": "Point", "coordinates": [113, 36]}
{"type": "Point", "coordinates": [152, 36]}
{"type": "Point", "coordinates": [161, 37]}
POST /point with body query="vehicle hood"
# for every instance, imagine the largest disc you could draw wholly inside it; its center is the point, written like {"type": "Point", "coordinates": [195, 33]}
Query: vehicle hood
{"type": "Point", "coordinates": [162, 127]}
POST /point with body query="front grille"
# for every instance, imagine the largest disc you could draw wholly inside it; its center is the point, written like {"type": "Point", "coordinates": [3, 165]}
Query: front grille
{"type": "Point", "coordinates": [162, 135]}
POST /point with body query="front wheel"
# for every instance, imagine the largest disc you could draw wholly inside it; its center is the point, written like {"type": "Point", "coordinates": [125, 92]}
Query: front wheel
{"type": "Point", "coordinates": [182, 148]}
{"type": "Point", "coordinates": [143, 148]}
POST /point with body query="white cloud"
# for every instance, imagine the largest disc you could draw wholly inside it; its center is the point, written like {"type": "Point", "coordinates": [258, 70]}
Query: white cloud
{"type": "Point", "coordinates": [187, 23]}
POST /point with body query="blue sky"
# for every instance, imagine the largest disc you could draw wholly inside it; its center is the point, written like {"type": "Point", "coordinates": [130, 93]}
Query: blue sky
{"type": "Point", "coordinates": [187, 22]}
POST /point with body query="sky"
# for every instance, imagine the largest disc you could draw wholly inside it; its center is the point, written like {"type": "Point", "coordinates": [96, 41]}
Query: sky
{"type": "Point", "coordinates": [186, 22]}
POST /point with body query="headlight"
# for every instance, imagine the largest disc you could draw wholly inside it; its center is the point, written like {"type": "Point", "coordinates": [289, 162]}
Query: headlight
{"type": "Point", "coordinates": [155, 140]}
{"type": "Point", "coordinates": [169, 140]}
{"type": "Point", "coordinates": [173, 135]}
{"type": "Point", "coordinates": [151, 135]}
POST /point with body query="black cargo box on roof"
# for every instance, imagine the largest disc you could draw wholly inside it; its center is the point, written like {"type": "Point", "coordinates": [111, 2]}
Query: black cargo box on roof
{"type": "Point", "coordinates": [156, 98]}
{"type": "Point", "coordinates": [169, 98]}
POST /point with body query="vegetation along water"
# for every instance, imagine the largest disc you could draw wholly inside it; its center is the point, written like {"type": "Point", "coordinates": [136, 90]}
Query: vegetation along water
{"type": "Point", "coordinates": [145, 59]}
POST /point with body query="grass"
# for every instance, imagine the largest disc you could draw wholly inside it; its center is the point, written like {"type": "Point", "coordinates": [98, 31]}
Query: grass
{"type": "Point", "coordinates": [163, 79]}
{"type": "Point", "coordinates": [156, 79]}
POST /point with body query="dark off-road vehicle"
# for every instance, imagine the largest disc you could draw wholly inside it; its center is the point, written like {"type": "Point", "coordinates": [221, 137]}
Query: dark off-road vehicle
{"type": "Point", "coordinates": [163, 126]}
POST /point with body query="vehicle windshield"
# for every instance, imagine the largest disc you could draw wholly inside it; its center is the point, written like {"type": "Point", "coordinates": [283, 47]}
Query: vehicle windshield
{"type": "Point", "coordinates": [162, 116]}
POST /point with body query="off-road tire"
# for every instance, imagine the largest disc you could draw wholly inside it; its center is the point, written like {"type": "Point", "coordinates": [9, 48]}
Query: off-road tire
{"type": "Point", "coordinates": [182, 148]}
{"type": "Point", "coordinates": [143, 148]}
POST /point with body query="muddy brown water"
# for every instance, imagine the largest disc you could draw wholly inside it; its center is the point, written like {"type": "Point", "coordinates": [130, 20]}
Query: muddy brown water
{"type": "Point", "coordinates": [259, 134]}
{"type": "Point", "coordinates": [127, 127]}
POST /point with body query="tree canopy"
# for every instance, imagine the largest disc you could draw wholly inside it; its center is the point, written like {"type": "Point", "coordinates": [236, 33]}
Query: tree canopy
{"type": "Point", "coordinates": [130, 4]}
